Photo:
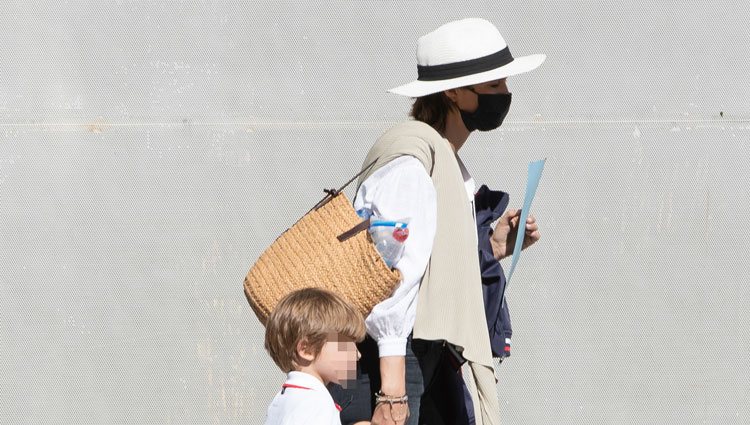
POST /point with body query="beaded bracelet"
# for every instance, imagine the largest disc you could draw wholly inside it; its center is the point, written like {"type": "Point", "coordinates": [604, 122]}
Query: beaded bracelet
{"type": "Point", "coordinates": [383, 398]}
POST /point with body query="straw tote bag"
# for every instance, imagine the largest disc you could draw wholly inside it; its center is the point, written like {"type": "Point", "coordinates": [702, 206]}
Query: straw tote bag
{"type": "Point", "coordinates": [327, 248]}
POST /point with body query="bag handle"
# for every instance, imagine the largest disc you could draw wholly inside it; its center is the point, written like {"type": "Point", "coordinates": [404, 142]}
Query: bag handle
{"type": "Point", "coordinates": [332, 193]}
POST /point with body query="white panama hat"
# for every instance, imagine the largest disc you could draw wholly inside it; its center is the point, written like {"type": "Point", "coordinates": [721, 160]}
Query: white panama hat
{"type": "Point", "coordinates": [462, 53]}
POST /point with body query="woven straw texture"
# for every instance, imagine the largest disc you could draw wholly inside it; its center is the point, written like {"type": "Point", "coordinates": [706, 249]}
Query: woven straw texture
{"type": "Point", "coordinates": [309, 255]}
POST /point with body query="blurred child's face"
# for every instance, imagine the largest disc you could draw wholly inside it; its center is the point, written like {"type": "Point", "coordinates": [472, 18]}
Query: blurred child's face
{"type": "Point", "coordinates": [337, 361]}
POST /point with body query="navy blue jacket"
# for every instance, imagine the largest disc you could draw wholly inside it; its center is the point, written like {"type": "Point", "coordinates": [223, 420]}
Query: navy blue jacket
{"type": "Point", "coordinates": [490, 205]}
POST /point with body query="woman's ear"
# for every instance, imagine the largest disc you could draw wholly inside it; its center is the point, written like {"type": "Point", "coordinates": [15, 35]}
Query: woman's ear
{"type": "Point", "coordinates": [304, 350]}
{"type": "Point", "coordinates": [452, 95]}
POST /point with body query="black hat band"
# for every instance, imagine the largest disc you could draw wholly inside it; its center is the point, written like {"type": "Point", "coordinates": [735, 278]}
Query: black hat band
{"type": "Point", "coordinates": [461, 69]}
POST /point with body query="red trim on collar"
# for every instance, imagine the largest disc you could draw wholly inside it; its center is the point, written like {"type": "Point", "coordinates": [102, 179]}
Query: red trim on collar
{"type": "Point", "coordinates": [299, 387]}
{"type": "Point", "coordinates": [295, 386]}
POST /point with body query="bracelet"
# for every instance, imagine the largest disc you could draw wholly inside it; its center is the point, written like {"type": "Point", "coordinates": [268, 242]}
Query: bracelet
{"type": "Point", "coordinates": [383, 398]}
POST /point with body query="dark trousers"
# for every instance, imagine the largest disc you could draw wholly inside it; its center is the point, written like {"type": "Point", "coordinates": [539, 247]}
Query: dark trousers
{"type": "Point", "coordinates": [437, 394]}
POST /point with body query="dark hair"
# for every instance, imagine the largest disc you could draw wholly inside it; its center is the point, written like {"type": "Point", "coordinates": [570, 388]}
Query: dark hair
{"type": "Point", "coordinates": [432, 109]}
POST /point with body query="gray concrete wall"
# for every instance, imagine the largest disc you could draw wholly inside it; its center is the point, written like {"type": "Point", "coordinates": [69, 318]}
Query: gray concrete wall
{"type": "Point", "coordinates": [150, 150]}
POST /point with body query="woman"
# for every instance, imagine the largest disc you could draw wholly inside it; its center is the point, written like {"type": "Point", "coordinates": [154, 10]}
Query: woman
{"type": "Point", "coordinates": [434, 321]}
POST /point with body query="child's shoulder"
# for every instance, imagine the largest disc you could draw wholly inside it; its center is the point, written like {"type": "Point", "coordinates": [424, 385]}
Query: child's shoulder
{"type": "Point", "coordinates": [303, 400]}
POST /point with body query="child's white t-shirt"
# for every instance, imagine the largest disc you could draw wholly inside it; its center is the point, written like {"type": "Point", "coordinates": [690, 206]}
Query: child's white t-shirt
{"type": "Point", "coordinates": [303, 399]}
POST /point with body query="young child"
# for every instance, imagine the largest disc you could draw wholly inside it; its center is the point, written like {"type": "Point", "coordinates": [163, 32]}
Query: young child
{"type": "Point", "coordinates": [311, 335]}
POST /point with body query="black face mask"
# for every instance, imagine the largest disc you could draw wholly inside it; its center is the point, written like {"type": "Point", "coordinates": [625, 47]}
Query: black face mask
{"type": "Point", "coordinates": [490, 113]}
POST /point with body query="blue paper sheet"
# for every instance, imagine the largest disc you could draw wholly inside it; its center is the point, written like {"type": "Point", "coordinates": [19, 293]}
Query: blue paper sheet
{"type": "Point", "coordinates": [535, 174]}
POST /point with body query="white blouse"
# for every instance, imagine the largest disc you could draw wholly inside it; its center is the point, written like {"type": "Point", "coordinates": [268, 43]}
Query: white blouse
{"type": "Point", "coordinates": [403, 189]}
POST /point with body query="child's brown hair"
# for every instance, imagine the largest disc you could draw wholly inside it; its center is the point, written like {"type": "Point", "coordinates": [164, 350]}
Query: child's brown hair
{"type": "Point", "coordinates": [309, 314]}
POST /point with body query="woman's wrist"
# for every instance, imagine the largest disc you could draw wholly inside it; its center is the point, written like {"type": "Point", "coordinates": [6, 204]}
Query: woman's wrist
{"type": "Point", "coordinates": [393, 375]}
{"type": "Point", "coordinates": [498, 250]}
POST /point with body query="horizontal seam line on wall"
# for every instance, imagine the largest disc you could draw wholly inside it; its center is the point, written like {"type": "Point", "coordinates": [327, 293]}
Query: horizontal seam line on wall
{"type": "Point", "coordinates": [342, 123]}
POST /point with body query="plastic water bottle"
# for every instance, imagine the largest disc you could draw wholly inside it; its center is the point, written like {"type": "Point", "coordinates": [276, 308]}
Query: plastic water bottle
{"type": "Point", "coordinates": [389, 237]}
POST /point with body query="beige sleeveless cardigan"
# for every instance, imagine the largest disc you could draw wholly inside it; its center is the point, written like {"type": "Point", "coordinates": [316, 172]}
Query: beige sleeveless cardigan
{"type": "Point", "coordinates": [450, 305]}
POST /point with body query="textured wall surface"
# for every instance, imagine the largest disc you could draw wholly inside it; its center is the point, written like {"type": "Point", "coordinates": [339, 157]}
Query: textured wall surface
{"type": "Point", "coordinates": [150, 150]}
